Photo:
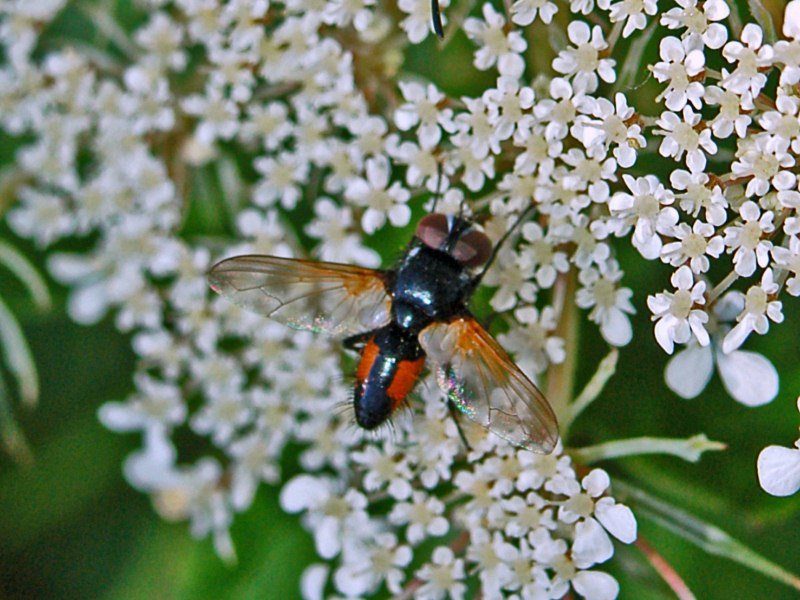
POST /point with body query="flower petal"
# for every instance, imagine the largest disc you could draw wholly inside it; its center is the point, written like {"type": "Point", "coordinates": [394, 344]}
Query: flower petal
{"type": "Point", "coordinates": [688, 372]}
{"type": "Point", "coordinates": [749, 377]}
{"type": "Point", "coordinates": [592, 544]}
{"type": "Point", "coordinates": [779, 470]}
{"type": "Point", "coordinates": [617, 519]}
{"type": "Point", "coordinates": [595, 585]}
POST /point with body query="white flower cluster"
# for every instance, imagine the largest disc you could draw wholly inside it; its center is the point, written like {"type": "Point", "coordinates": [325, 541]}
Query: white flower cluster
{"type": "Point", "coordinates": [523, 523]}
{"type": "Point", "coordinates": [292, 105]}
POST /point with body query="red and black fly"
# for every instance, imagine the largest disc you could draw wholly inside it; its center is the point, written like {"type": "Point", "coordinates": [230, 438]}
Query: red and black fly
{"type": "Point", "coordinates": [400, 318]}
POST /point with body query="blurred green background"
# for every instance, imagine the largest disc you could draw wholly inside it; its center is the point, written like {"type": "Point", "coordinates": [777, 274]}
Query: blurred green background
{"type": "Point", "coordinates": [70, 527]}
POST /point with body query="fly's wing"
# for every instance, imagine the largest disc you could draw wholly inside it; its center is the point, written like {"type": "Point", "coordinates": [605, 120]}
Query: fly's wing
{"type": "Point", "coordinates": [337, 299]}
{"type": "Point", "coordinates": [482, 380]}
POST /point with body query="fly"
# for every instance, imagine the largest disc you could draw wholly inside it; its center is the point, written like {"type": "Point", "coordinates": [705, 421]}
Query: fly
{"type": "Point", "coordinates": [401, 319]}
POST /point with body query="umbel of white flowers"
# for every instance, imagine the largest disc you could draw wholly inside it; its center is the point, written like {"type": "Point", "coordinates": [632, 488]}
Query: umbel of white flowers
{"type": "Point", "coordinates": [295, 104]}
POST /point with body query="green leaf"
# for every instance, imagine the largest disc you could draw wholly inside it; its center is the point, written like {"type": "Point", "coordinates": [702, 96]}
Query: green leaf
{"type": "Point", "coordinates": [705, 536]}
{"type": "Point", "coordinates": [18, 356]}
{"type": "Point", "coordinates": [764, 19]}
{"type": "Point", "coordinates": [11, 435]}
{"type": "Point", "coordinates": [26, 273]}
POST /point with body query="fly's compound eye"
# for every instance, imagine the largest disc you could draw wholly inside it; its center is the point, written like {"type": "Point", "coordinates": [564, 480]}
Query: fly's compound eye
{"type": "Point", "coordinates": [433, 230]}
{"type": "Point", "coordinates": [472, 249]}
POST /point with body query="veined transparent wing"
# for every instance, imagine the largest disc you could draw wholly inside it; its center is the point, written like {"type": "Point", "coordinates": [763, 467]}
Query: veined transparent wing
{"type": "Point", "coordinates": [337, 299]}
{"type": "Point", "coordinates": [482, 380]}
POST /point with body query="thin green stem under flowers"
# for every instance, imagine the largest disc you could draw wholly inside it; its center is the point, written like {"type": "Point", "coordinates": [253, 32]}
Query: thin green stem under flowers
{"type": "Point", "coordinates": [689, 449]}
{"type": "Point", "coordinates": [721, 287]}
{"type": "Point", "coordinates": [561, 377]}
{"type": "Point", "coordinates": [605, 370]}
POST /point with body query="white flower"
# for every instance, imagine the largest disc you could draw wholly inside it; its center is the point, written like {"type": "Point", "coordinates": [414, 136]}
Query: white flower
{"type": "Point", "coordinates": [559, 111]}
{"type": "Point", "coordinates": [491, 555]}
{"type": "Point", "coordinates": [679, 66]}
{"type": "Point", "coordinates": [675, 314]}
{"type": "Point", "coordinates": [700, 22]}
{"type": "Point", "coordinates": [731, 116]}
{"type": "Point", "coordinates": [423, 167]}
{"type": "Point", "coordinates": [783, 124]}
{"type": "Point", "coordinates": [698, 195]}
{"type": "Point", "coordinates": [511, 282]}
{"type": "Point", "coordinates": [380, 560]}
{"type": "Point", "coordinates": [759, 309]}
{"type": "Point", "coordinates": [524, 12]}
{"type": "Point", "coordinates": [749, 58]}
{"type": "Point", "coordinates": [786, 52]}
{"type": "Point", "coordinates": [381, 467]}
{"type": "Point", "coordinates": [333, 226]}
{"type": "Point", "coordinates": [582, 59]}
{"type": "Point", "coordinates": [219, 116]}
{"type": "Point", "coordinates": [157, 404]}
{"type": "Point", "coordinates": [610, 304]}
{"type": "Point", "coordinates": [612, 124]}
{"type": "Point", "coordinates": [475, 123]}
{"type": "Point", "coordinates": [595, 516]}
{"type": "Point", "coordinates": [381, 198]}
{"type": "Point", "coordinates": [694, 244]}
{"type": "Point", "coordinates": [254, 462]}
{"type": "Point", "coordinates": [41, 216]}
{"type": "Point", "coordinates": [443, 577]}
{"type": "Point", "coordinates": [281, 181]}
{"type": "Point", "coordinates": [540, 257]}
{"type": "Point", "coordinates": [634, 11]}
{"type": "Point", "coordinates": [762, 162]}
{"type": "Point", "coordinates": [329, 514]}
{"type": "Point", "coordinates": [476, 168]}
{"type": "Point", "coordinates": [747, 241]}
{"type": "Point", "coordinates": [681, 136]}
{"type": "Point", "coordinates": [648, 208]}
{"type": "Point", "coordinates": [506, 104]}
{"type": "Point", "coordinates": [341, 13]}
{"type": "Point", "coordinates": [267, 124]}
{"type": "Point", "coordinates": [421, 108]}
{"type": "Point", "coordinates": [423, 517]}
{"type": "Point", "coordinates": [497, 47]}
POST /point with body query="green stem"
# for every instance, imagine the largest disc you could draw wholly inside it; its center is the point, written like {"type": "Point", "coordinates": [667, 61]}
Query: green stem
{"type": "Point", "coordinates": [690, 449]}
{"type": "Point", "coordinates": [605, 370]}
{"type": "Point", "coordinates": [561, 377]}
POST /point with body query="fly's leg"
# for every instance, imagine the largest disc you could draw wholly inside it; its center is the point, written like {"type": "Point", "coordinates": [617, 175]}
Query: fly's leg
{"type": "Point", "coordinates": [357, 341]}
{"type": "Point", "coordinates": [455, 415]}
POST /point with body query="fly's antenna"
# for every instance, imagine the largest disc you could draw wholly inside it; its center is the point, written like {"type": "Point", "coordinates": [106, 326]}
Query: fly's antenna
{"type": "Point", "coordinates": [436, 15]}
{"type": "Point", "coordinates": [496, 250]}
{"type": "Point", "coordinates": [439, 176]}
